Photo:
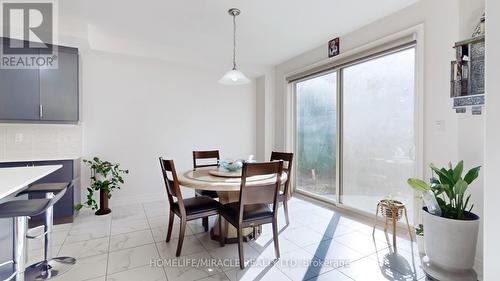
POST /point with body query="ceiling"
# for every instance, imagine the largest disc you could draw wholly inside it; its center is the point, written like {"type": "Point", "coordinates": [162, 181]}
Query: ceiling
{"type": "Point", "coordinates": [200, 31]}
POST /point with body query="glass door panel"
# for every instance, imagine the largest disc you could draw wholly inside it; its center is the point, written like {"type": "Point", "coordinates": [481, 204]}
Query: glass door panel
{"type": "Point", "coordinates": [316, 130]}
{"type": "Point", "coordinates": [378, 131]}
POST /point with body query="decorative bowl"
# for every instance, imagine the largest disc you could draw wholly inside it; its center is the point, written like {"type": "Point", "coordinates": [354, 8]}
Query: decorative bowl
{"type": "Point", "coordinates": [231, 165]}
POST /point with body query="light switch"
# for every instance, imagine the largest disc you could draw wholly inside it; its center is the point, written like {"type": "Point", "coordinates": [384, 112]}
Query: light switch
{"type": "Point", "coordinates": [440, 125]}
{"type": "Point", "coordinates": [19, 137]}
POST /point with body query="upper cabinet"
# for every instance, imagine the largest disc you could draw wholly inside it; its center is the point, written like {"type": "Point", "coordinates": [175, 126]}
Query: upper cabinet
{"type": "Point", "coordinates": [42, 94]}
{"type": "Point", "coordinates": [59, 88]}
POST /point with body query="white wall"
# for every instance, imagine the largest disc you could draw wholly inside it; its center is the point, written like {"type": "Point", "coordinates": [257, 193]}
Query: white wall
{"type": "Point", "coordinates": [492, 141]}
{"type": "Point", "coordinates": [442, 27]}
{"type": "Point", "coordinates": [137, 109]}
{"type": "Point", "coordinates": [470, 135]}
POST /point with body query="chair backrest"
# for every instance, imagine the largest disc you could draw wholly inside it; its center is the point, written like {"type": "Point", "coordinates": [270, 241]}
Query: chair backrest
{"type": "Point", "coordinates": [206, 155]}
{"type": "Point", "coordinates": [171, 181]}
{"type": "Point", "coordinates": [266, 193]}
{"type": "Point", "coordinates": [287, 159]}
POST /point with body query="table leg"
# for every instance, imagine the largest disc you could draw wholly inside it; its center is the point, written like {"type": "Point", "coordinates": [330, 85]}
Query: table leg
{"type": "Point", "coordinates": [231, 232]}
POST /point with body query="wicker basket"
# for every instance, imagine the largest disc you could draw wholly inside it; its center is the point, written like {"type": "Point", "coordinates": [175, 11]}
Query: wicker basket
{"type": "Point", "coordinates": [390, 207]}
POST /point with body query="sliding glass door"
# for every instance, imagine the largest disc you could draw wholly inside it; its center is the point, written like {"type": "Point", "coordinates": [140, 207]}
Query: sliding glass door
{"type": "Point", "coordinates": [378, 153]}
{"type": "Point", "coordinates": [316, 130]}
{"type": "Point", "coordinates": [377, 131]}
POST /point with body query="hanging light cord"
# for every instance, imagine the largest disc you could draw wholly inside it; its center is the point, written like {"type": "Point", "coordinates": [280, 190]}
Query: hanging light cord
{"type": "Point", "coordinates": [234, 42]}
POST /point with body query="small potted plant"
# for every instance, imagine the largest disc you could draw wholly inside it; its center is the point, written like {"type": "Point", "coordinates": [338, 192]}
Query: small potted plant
{"type": "Point", "coordinates": [104, 177]}
{"type": "Point", "coordinates": [419, 234]}
{"type": "Point", "coordinates": [451, 229]}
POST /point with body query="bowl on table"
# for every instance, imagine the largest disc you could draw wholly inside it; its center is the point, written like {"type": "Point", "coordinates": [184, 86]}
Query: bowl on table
{"type": "Point", "coordinates": [231, 165]}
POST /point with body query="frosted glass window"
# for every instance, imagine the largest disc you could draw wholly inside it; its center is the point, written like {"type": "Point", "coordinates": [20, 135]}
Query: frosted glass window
{"type": "Point", "coordinates": [316, 131]}
{"type": "Point", "coordinates": [378, 131]}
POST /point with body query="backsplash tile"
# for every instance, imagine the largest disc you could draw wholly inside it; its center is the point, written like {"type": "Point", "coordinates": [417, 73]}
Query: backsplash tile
{"type": "Point", "coordinates": [24, 142]}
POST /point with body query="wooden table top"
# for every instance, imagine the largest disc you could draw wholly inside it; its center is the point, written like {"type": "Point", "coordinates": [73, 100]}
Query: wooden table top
{"type": "Point", "coordinates": [202, 179]}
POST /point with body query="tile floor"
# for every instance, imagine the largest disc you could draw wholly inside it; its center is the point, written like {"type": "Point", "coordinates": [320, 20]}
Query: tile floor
{"type": "Point", "coordinates": [319, 244]}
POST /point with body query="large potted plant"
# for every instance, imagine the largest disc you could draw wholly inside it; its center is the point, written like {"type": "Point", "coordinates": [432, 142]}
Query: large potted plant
{"type": "Point", "coordinates": [104, 178]}
{"type": "Point", "coordinates": [451, 229]}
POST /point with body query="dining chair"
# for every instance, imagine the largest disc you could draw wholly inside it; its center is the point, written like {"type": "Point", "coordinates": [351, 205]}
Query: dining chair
{"type": "Point", "coordinates": [284, 195]}
{"type": "Point", "coordinates": [258, 204]}
{"type": "Point", "coordinates": [212, 156]}
{"type": "Point", "coordinates": [186, 209]}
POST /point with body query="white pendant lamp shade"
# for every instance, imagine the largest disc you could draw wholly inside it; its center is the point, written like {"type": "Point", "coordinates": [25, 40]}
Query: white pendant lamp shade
{"type": "Point", "coordinates": [233, 76]}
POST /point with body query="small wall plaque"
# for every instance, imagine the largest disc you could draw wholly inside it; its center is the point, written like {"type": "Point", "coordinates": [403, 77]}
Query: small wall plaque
{"type": "Point", "coordinates": [333, 47]}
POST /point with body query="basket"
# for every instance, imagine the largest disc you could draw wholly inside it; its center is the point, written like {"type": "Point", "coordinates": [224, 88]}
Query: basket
{"type": "Point", "coordinates": [389, 207]}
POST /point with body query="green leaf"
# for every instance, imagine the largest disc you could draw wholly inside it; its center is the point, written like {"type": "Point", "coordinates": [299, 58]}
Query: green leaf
{"type": "Point", "coordinates": [472, 174]}
{"type": "Point", "coordinates": [78, 207]}
{"type": "Point", "coordinates": [457, 172]}
{"type": "Point", "coordinates": [460, 187]}
{"type": "Point", "coordinates": [418, 184]}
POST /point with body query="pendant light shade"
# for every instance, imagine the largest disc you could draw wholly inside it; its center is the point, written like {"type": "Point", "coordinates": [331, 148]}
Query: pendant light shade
{"type": "Point", "coordinates": [234, 76]}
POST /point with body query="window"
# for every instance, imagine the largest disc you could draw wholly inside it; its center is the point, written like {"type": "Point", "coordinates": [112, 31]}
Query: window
{"type": "Point", "coordinates": [377, 131]}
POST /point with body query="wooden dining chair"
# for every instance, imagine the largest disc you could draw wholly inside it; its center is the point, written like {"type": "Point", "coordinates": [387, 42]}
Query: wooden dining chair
{"type": "Point", "coordinates": [186, 209]}
{"type": "Point", "coordinates": [284, 195]}
{"type": "Point", "coordinates": [253, 208]}
{"type": "Point", "coordinates": [212, 156]}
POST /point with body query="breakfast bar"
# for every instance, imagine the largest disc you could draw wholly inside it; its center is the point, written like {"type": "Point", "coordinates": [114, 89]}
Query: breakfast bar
{"type": "Point", "coordinates": [12, 181]}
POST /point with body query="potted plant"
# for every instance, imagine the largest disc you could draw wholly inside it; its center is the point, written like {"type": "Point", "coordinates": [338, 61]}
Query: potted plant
{"type": "Point", "coordinates": [104, 177]}
{"type": "Point", "coordinates": [451, 229]}
{"type": "Point", "coordinates": [419, 234]}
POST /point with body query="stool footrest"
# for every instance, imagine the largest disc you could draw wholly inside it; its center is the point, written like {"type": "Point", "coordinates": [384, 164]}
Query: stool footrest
{"type": "Point", "coordinates": [36, 236]}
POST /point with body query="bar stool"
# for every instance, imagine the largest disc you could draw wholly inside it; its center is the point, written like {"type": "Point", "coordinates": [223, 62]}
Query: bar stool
{"type": "Point", "coordinates": [20, 211]}
{"type": "Point", "coordinates": [49, 267]}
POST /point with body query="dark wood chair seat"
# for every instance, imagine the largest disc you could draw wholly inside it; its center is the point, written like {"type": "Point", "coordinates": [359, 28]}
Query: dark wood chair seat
{"type": "Point", "coordinates": [198, 205]}
{"type": "Point", "coordinates": [209, 193]}
{"type": "Point", "coordinates": [257, 213]}
{"type": "Point", "coordinates": [258, 204]}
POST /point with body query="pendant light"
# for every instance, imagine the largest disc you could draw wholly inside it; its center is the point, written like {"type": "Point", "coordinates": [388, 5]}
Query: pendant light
{"type": "Point", "coordinates": [233, 76]}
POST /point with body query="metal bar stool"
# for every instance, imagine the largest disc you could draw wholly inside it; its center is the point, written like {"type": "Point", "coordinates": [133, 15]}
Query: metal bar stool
{"type": "Point", "coordinates": [20, 211]}
{"type": "Point", "coordinates": [49, 267]}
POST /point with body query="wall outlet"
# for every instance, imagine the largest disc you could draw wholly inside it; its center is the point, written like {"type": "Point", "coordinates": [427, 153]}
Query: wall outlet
{"type": "Point", "coordinates": [19, 137]}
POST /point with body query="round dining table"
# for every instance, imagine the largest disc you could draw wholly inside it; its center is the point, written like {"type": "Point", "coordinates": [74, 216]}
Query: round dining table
{"type": "Point", "coordinates": [227, 185]}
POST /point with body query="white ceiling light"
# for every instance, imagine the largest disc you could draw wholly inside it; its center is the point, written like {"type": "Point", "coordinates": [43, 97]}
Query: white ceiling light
{"type": "Point", "coordinates": [233, 76]}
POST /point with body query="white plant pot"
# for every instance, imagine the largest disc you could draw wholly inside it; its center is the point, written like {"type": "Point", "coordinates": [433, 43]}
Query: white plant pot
{"type": "Point", "coordinates": [450, 244]}
{"type": "Point", "coordinates": [420, 244]}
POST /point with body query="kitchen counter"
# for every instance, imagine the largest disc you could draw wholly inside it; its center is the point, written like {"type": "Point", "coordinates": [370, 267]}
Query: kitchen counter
{"type": "Point", "coordinates": [15, 179]}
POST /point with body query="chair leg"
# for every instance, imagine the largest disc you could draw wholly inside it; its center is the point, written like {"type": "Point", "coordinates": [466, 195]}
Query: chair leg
{"type": "Point", "coordinates": [285, 208]}
{"type": "Point", "coordinates": [181, 237]}
{"type": "Point", "coordinates": [170, 226]}
{"type": "Point", "coordinates": [240, 247]}
{"type": "Point", "coordinates": [275, 237]}
{"type": "Point", "coordinates": [204, 222]}
{"type": "Point", "coordinates": [222, 234]}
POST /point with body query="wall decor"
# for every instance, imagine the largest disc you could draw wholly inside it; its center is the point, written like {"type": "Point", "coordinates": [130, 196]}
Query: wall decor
{"type": "Point", "coordinates": [467, 73]}
{"type": "Point", "coordinates": [333, 47]}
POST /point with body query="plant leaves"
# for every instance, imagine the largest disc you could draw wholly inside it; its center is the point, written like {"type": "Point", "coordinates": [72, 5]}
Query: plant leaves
{"type": "Point", "coordinates": [457, 171]}
{"type": "Point", "coordinates": [418, 184]}
{"type": "Point", "coordinates": [472, 174]}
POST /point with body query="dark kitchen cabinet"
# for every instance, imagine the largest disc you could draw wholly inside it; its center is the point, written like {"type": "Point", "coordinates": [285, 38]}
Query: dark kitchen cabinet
{"type": "Point", "coordinates": [42, 94]}
{"type": "Point", "coordinates": [59, 88]}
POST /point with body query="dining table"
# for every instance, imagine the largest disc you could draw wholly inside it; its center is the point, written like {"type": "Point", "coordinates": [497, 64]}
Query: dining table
{"type": "Point", "coordinates": [227, 185]}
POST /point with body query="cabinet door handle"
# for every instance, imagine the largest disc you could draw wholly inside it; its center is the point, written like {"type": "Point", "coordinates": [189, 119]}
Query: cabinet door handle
{"type": "Point", "coordinates": [41, 110]}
